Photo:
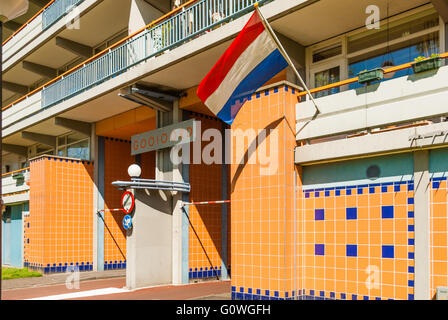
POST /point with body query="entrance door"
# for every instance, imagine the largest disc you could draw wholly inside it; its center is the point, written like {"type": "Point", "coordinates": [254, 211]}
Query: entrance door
{"type": "Point", "coordinates": [12, 236]}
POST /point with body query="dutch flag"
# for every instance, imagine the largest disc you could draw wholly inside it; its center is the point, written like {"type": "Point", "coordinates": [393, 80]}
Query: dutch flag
{"type": "Point", "coordinates": [251, 60]}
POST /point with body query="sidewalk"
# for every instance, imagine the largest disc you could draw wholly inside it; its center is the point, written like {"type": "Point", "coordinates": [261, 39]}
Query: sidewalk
{"type": "Point", "coordinates": [60, 278]}
{"type": "Point", "coordinates": [114, 289]}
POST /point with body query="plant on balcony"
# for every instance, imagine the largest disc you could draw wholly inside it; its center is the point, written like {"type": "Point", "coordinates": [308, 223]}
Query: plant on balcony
{"type": "Point", "coordinates": [18, 176]}
{"type": "Point", "coordinates": [368, 76]}
{"type": "Point", "coordinates": [423, 64]}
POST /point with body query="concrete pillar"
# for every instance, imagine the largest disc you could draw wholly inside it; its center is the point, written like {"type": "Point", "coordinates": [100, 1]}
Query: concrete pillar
{"type": "Point", "coordinates": [422, 226]}
{"type": "Point", "coordinates": [177, 210]}
{"type": "Point", "coordinates": [99, 201]}
{"type": "Point", "coordinates": [142, 13]}
{"type": "Point", "coordinates": [149, 242]}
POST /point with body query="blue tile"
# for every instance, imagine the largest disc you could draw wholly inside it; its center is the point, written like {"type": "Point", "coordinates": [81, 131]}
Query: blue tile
{"type": "Point", "coordinates": [410, 228]}
{"type": "Point", "coordinates": [275, 90]}
{"type": "Point", "coordinates": [338, 192]}
{"type": "Point", "coordinates": [411, 214]}
{"type": "Point", "coordinates": [410, 255]}
{"type": "Point", "coordinates": [343, 297]}
{"type": "Point", "coordinates": [266, 92]}
{"type": "Point", "coordinates": [359, 190]}
{"type": "Point", "coordinates": [316, 194]}
{"type": "Point", "coordinates": [410, 297]}
{"type": "Point", "coordinates": [319, 214]}
{"type": "Point", "coordinates": [410, 200]}
{"type": "Point", "coordinates": [233, 288]}
{"type": "Point", "coordinates": [411, 270]}
{"type": "Point", "coordinates": [266, 292]}
{"type": "Point", "coordinates": [351, 213]}
{"type": "Point", "coordinates": [319, 249]}
{"type": "Point", "coordinates": [410, 187]}
{"type": "Point", "coordinates": [384, 189]}
{"type": "Point", "coordinates": [332, 295]}
{"type": "Point", "coordinates": [436, 185]}
{"type": "Point", "coordinates": [307, 194]}
{"type": "Point", "coordinates": [322, 293]}
{"type": "Point", "coordinates": [276, 294]}
{"type": "Point", "coordinates": [372, 190]}
{"type": "Point", "coordinates": [249, 290]}
{"type": "Point", "coordinates": [348, 192]}
{"type": "Point", "coordinates": [387, 212]}
{"type": "Point", "coordinates": [366, 298]}
{"type": "Point", "coordinates": [388, 252]}
{"type": "Point", "coordinates": [410, 283]}
{"type": "Point", "coordinates": [327, 193]}
{"type": "Point", "coordinates": [352, 250]}
{"type": "Point", "coordinates": [354, 297]}
{"type": "Point", "coordinates": [377, 298]}
{"type": "Point", "coordinates": [312, 292]}
{"type": "Point", "coordinates": [411, 242]}
{"type": "Point", "coordinates": [241, 289]}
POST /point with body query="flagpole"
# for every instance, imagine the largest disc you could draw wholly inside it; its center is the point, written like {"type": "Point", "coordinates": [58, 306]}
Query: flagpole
{"type": "Point", "coordinates": [284, 54]}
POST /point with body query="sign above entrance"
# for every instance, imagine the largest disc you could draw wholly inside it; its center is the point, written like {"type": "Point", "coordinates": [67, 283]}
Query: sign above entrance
{"type": "Point", "coordinates": [166, 137]}
{"type": "Point", "coordinates": [127, 202]}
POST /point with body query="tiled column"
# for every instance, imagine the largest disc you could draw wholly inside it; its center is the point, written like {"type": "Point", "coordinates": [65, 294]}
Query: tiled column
{"type": "Point", "coordinates": [262, 194]}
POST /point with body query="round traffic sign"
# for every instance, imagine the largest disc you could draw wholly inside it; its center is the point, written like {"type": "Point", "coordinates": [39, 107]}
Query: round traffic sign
{"type": "Point", "coordinates": [127, 202]}
{"type": "Point", "coordinates": [127, 222]}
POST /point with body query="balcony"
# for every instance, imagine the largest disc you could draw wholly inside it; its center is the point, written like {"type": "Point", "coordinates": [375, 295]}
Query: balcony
{"type": "Point", "coordinates": [41, 21]}
{"type": "Point", "coordinates": [398, 114]}
{"type": "Point", "coordinates": [192, 21]}
{"type": "Point", "coordinates": [14, 186]}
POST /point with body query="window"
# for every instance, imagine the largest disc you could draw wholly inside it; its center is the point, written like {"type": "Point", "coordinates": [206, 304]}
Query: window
{"type": "Point", "coordinates": [399, 54]}
{"type": "Point", "coordinates": [326, 53]}
{"type": "Point", "coordinates": [400, 40]}
{"type": "Point", "coordinates": [74, 145]}
{"type": "Point", "coordinates": [324, 78]}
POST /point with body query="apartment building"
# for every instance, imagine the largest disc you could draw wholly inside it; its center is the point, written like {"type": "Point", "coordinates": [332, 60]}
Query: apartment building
{"type": "Point", "coordinates": [355, 205]}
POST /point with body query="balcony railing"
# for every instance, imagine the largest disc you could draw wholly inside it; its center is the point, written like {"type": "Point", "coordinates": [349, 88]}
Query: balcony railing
{"type": "Point", "coordinates": [15, 182]}
{"type": "Point", "coordinates": [399, 103]}
{"type": "Point", "coordinates": [57, 10]}
{"type": "Point", "coordinates": [188, 23]}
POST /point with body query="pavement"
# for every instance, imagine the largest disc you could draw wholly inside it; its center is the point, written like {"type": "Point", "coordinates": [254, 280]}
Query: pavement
{"type": "Point", "coordinates": [93, 286]}
{"type": "Point", "coordinates": [59, 278]}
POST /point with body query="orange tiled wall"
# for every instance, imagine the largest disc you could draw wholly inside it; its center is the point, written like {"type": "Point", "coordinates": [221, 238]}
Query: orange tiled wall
{"type": "Point", "coordinates": [348, 236]}
{"type": "Point", "coordinates": [117, 160]}
{"type": "Point", "coordinates": [205, 220]}
{"type": "Point", "coordinates": [263, 205]}
{"type": "Point", "coordinates": [59, 230]}
{"type": "Point", "coordinates": [439, 234]}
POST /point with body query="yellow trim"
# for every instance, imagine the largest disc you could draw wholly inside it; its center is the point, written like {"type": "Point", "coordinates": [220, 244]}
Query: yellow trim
{"type": "Point", "coordinates": [17, 171]}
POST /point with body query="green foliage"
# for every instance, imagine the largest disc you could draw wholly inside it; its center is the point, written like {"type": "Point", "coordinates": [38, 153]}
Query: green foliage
{"type": "Point", "coordinates": [16, 273]}
{"type": "Point", "coordinates": [420, 58]}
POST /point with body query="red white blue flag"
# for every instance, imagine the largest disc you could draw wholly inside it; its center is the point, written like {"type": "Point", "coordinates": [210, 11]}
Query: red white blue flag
{"type": "Point", "coordinates": [252, 59]}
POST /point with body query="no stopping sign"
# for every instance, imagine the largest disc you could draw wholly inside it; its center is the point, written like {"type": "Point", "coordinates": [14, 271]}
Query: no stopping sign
{"type": "Point", "coordinates": [127, 202]}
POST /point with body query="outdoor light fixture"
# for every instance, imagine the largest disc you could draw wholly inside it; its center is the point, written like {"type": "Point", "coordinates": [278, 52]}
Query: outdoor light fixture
{"type": "Point", "coordinates": [134, 171]}
{"type": "Point", "coordinates": [9, 9]}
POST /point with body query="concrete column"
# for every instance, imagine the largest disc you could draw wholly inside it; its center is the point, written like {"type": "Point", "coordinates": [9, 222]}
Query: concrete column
{"type": "Point", "coordinates": [142, 13]}
{"type": "Point", "coordinates": [177, 210]}
{"type": "Point", "coordinates": [99, 183]}
{"type": "Point", "coordinates": [149, 242]}
{"type": "Point", "coordinates": [422, 226]}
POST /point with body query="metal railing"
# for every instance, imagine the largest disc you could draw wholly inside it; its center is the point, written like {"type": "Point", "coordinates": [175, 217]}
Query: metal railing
{"type": "Point", "coordinates": [191, 22]}
{"type": "Point", "coordinates": [56, 11]}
